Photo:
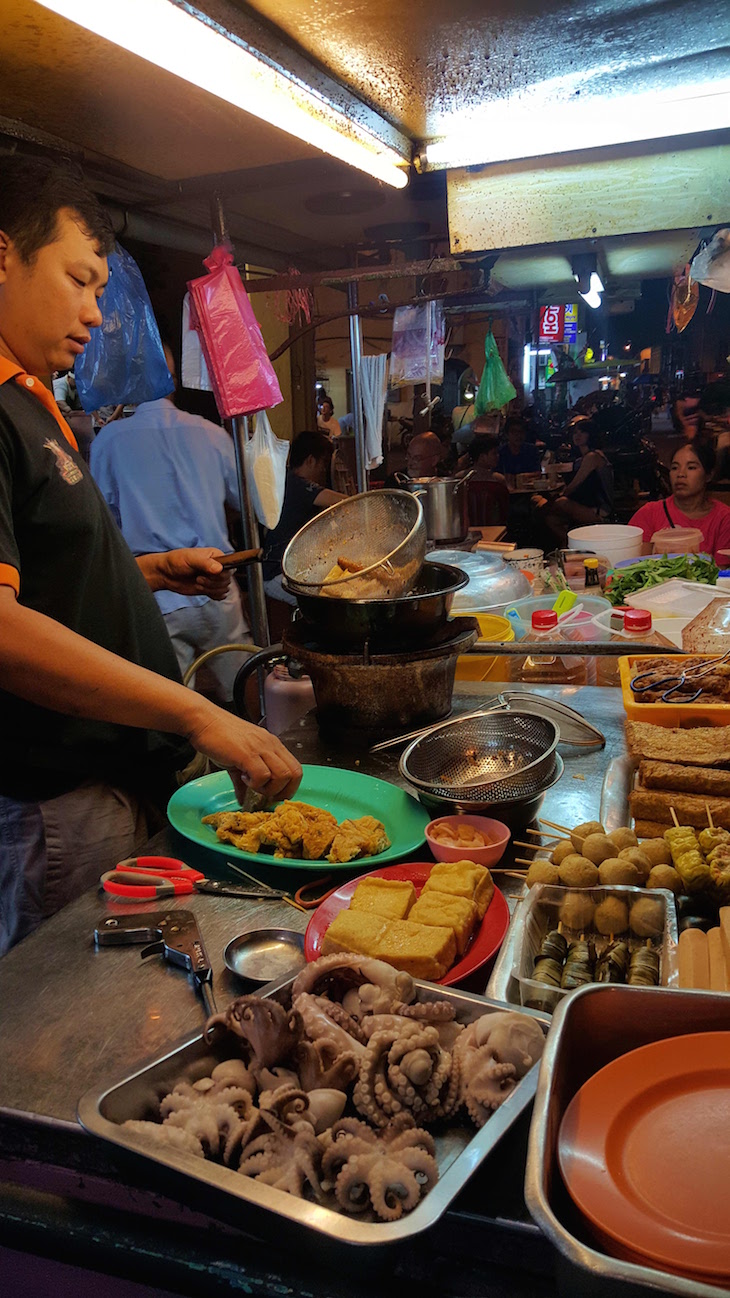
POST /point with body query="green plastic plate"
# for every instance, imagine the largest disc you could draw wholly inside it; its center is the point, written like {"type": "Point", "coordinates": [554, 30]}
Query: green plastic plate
{"type": "Point", "coordinates": [347, 794]}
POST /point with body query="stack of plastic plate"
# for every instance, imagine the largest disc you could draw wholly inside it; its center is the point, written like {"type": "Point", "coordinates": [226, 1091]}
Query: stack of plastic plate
{"type": "Point", "coordinates": [644, 1151]}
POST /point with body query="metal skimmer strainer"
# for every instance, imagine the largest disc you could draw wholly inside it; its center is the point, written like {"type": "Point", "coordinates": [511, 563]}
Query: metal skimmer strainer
{"type": "Point", "coordinates": [383, 532]}
{"type": "Point", "coordinates": [502, 756]}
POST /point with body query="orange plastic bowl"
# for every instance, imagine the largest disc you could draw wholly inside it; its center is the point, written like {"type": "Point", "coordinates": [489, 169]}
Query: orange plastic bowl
{"type": "Point", "coordinates": [497, 835]}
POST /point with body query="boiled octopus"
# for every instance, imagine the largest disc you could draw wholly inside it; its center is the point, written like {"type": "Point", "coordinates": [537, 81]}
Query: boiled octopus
{"type": "Point", "coordinates": [491, 1055]}
{"type": "Point", "coordinates": [406, 1069]}
{"type": "Point", "coordinates": [388, 1170]}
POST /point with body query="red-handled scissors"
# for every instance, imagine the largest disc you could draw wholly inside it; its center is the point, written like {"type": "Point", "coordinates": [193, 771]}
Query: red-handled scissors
{"type": "Point", "coordinates": [146, 878]}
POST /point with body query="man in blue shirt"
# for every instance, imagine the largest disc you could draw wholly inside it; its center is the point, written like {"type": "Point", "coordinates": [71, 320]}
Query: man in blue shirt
{"type": "Point", "coordinates": [165, 475]}
{"type": "Point", "coordinates": [517, 455]}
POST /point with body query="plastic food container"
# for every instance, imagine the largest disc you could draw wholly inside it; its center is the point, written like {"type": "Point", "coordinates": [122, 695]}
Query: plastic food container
{"type": "Point", "coordinates": [542, 910]}
{"type": "Point", "coordinates": [669, 714]}
{"type": "Point", "coordinates": [675, 598]}
{"type": "Point", "coordinates": [526, 560]}
{"type": "Point", "coordinates": [476, 667]}
{"type": "Point", "coordinates": [616, 540]}
{"type": "Point", "coordinates": [677, 540]}
{"type": "Point", "coordinates": [582, 623]}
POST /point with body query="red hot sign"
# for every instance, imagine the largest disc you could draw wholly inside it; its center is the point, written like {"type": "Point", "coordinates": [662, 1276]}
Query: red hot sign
{"type": "Point", "coordinates": [552, 324]}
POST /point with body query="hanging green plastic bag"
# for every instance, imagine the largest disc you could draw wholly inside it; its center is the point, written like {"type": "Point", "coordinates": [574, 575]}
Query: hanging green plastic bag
{"type": "Point", "coordinates": [495, 389]}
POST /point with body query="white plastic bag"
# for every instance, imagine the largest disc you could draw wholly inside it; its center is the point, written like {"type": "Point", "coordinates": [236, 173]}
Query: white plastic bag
{"type": "Point", "coordinates": [194, 371]}
{"type": "Point", "coordinates": [265, 457]}
{"type": "Point", "coordinates": [417, 353]}
{"type": "Point", "coordinates": [711, 266]}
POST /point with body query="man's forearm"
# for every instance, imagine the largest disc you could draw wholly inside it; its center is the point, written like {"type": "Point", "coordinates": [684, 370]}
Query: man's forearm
{"type": "Point", "coordinates": [45, 663]}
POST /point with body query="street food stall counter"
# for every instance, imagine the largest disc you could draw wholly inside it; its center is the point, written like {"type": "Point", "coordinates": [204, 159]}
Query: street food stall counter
{"type": "Point", "coordinates": [76, 1017]}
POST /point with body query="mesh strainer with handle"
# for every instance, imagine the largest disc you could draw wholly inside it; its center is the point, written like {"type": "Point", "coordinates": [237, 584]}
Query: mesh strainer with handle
{"type": "Point", "coordinates": [488, 758]}
{"type": "Point", "coordinates": [384, 532]}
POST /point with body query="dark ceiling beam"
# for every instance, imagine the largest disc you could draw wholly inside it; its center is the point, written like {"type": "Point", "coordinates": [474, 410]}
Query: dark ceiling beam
{"type": "Point", "coordinates": [356, 274]}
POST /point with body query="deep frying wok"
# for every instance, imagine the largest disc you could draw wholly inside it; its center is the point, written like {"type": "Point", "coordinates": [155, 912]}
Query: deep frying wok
{"type": "Point", "coordinates": [406, 619]}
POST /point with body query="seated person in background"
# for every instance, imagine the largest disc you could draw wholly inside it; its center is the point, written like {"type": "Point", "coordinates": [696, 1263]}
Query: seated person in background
{"type": "Point", "coordinates": [424, 456]}
{"type": "Point", "coordinates": [516, 454]}
{"type": "Point", "coordinates": [326, 418]}
{"type": "Point", "coordinates": [588, 496]}
{"type": "Point", "coordinates": [689, 504]}
{"type": "Point", "coordinates": [483, 458]}
{"type": "Point", "coordinates": [306, 493]}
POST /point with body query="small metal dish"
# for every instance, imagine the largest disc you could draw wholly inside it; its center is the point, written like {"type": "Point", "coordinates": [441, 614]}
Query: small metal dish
{"type": "Point", "coordinates": [265, 954]}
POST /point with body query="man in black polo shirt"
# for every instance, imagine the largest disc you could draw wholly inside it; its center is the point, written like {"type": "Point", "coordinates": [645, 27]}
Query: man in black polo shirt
{"type": "Point", "coordinates": [93, 717]}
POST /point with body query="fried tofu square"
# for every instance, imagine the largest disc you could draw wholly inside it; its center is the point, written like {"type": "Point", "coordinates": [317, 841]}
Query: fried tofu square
{"type": "Point", "coordinates": [389, 898]}
{"type": "Point", "coordinates": [363, 837]}
{"type": "Point", "coordinates": [447, 910]}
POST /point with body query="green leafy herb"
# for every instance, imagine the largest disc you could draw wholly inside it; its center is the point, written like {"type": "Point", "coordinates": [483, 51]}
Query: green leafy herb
{"type": "Point", "coordinates": [654, 572]}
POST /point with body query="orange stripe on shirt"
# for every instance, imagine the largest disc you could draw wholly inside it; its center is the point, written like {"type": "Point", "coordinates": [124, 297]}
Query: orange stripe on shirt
{"type": "Point", "coordinates": [10, 370]}
{"type": "Point", "coordinates": [9, 576]}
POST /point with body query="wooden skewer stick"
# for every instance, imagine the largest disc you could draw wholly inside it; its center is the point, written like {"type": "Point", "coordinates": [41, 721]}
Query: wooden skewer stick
{"type": "Point", "coordinates": [562, 828]}
{"type": "Point", "coordinates": [512, 874]}
{"type": "Point", "coordinates": [531, 847]}
{"type": "Point", "coordinates": [709, 816]}
{"type": "Point", "coordinates": [521, 860]}
{"type": "Point", "coordinates": [674, 817]}
{"type": "Point", "coordinates": [539, 833]}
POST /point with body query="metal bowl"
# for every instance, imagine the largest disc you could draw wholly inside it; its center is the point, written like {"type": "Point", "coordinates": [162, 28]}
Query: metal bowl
{"type": "Point", "coordinates": [382, 531]}
{"type": "Point", "coordinates": [417, 615]}
{"type": "Point", "coordinates": [489, 758]}
{"type": "Point", "coordinates": [493, 584]}
{"type": "Point", "coordinates": [515, 813]}
{"type": "Point", "coordinates": [265, 954]}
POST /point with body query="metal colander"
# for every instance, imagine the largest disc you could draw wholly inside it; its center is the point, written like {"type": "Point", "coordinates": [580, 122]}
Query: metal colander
{"type": "Point", "coordinates": [498, 757]}
{"type": "Point", "coordinates": [384, 532]}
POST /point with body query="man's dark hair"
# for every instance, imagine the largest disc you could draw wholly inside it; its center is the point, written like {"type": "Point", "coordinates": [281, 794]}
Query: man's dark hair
{"type": "Point", "coordinates": [482, 445]}
{"type": "Point", "coordinates": [33, 191]}
{"type": "Point", "coordinates": [309, 443]}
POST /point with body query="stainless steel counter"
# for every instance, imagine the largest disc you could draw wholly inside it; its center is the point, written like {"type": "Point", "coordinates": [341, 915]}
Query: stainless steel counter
{"type": "Point", "coordinates": [74, 1017]}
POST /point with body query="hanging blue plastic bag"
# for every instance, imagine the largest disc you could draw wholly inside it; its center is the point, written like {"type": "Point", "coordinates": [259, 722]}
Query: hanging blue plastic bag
{"type": "Point", "coordinates": [124, 363]}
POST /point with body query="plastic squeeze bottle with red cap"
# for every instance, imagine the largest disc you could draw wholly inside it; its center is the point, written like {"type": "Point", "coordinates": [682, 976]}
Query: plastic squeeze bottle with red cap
{"type": "Point", "coordinates": [637, 628]}
{"type": "Point", "coordinates": [544, 665]}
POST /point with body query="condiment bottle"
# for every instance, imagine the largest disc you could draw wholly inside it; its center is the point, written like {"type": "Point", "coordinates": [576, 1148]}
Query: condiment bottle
{"type": "Point", "coordinates": [543, 667]}
{"type": "Point", "coordinates": [637, 627]}
{"type": "Point", "coordinates": [590, 567]}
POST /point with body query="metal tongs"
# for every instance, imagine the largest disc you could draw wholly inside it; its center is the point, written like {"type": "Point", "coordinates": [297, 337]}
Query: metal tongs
{"type": "Point", "coordinates": [655, 681]}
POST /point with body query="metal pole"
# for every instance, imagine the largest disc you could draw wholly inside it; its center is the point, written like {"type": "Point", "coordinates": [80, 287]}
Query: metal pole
{"type": "Point", "coordinates": [249, 522]}
{"type": "Point", "coordinates": [355, 358]}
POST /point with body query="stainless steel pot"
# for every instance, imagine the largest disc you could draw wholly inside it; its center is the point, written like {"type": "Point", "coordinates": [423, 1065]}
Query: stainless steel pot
{"type": "Point", "coordinates": [445, 504]}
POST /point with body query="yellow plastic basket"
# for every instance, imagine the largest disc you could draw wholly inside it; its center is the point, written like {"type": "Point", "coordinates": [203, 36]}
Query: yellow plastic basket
{"type": "Point", "coordinates": [478, 667]}
{"type": "Point", "coordinates": [711, 713]}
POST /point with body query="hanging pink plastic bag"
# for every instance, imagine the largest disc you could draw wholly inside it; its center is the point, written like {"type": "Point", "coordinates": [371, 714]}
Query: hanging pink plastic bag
{"type": "Point", "coordinates": [242, 375]}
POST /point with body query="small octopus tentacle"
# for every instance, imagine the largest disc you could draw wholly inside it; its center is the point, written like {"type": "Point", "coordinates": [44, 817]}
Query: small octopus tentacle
{"type": "Point", "coordinates": [339, 1015]}
{"type": "Point", "coordinates": [427, 1011]}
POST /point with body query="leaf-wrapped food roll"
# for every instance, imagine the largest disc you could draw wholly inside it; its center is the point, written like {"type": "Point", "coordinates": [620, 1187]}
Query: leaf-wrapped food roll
{"type": "Point", "coordinates": [644, 968]}
{"type": "Point", "coordinates": [611, 967]}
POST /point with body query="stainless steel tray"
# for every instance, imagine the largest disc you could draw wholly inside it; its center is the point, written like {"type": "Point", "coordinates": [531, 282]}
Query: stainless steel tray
{"type": "Point", "coordinates": [589, 1030]}
{"type": "Point", "coordinates": [509, 974]}
{"type": "Point", "coordinates": [460, 1150]}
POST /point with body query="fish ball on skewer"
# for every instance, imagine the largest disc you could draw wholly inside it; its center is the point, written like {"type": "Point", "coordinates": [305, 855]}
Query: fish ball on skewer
{"type": "Point", "coordinates": [542, 871]}
{"type": "Point", "coordinates": [623, 838]}
{"type": "Point", "coordinates": [647, 917]}
{"type": "Point", "coordinates": [665, 876]}
{"type": "Point", "coordinates": [637, 858]}
{"type": "Point", "coordinates": [581, 832]}
{"type": "Point", "coordinates": [576, 912]}
{"type": "Point", "coordinates": [561, 850]}
{"type": "Point", "coordinates": [578, 872]}
{"type": "Point", "coordinates": [611, 916]}
{"type": "Point", "coordinates": [657, 850]}
{"type": "Point", "coordinates": [616, 870]}
{"type": "Point", "coordinates": [598, 848]}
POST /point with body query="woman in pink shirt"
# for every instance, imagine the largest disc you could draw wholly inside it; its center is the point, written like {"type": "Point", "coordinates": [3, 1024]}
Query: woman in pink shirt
{"type": "Point", "coordinates": [689, 504]}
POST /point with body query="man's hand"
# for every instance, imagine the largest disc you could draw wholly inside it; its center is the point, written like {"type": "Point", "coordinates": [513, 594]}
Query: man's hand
{"type": "Point", "coordinates": [188, 572]}
{"type": "Point", "coordinates": [250, 754]}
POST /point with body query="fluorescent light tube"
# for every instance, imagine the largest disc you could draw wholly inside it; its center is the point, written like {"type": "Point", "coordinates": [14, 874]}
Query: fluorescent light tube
{"type": "Point", "coordinates": [179, 42]}
{"type": "Point", "coordinates": [549, 119]}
